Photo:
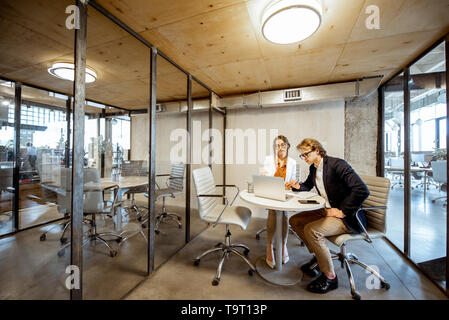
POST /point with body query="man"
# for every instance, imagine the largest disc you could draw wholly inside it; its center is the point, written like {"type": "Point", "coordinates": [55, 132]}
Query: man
{"type": "Point", "coordinates": [344, 193]}
{"type": "Point", "coordinates": [32, 155]}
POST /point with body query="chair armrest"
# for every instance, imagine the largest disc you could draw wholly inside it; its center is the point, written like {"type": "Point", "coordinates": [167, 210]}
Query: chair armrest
{"type": "Point", "coordinates": [115, 186]}
{"type": "Point", "coordinates": [163, 175]}
{"type": "Point", "coordinates": [230, 186]}
{"type": "Point", "coordinates": [216, 196]}
{"type": "Point", "coordinates": [368, 238]}
{"type": "Point", "coordinates": [10, 189]}
{"type": "Point", "coordinates": [373, 208]}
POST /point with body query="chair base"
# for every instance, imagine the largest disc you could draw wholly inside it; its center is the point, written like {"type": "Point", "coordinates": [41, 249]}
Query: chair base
{"type": "Point", "coordinates": [164, 216]}
{"type": "Point", "coordinates": [93, 236]}
{"type": "Point", "coordinates": [64, 225]}
{"type": "Point", "coordinates": [346, 259]}
{"type": "Point", "coordinates": [227, 248]}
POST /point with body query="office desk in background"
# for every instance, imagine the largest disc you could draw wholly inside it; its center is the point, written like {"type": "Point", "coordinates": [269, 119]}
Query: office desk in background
{"type": "Point", "coordinates": [412, 169]}
{"type": "Point", "coordinates": [124, 185]}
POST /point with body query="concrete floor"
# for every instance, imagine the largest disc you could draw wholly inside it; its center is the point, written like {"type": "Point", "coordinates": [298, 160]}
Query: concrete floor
{"type": "Point", "coordinates": [180, 279]}
{"type": "Point", "coordinates": [428, 223]}
{"type": "Point", "coordinates": [31, 269]}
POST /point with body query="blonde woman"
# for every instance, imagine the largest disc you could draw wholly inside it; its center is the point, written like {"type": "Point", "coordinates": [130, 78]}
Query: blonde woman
{"type": "Point", "coordinates": [278, 165]}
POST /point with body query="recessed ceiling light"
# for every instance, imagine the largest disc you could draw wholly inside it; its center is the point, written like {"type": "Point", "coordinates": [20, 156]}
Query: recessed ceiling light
{"type": "Point", "coordinates": [5, 103]}
{"type": "Point", "coordinates": [290, 21]}
{"type": "Point", "coordinates": [66, 71]}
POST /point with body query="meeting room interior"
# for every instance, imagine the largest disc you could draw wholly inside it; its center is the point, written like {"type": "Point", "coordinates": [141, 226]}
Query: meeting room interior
{"type": "Point", "coordinates": [134, 138]}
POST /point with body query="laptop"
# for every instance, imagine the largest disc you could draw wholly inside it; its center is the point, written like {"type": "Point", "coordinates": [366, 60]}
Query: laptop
{"type": "Point", "coordinates": [269, 187]}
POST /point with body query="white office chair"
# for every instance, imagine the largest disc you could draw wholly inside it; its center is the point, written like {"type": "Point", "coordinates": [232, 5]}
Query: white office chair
{"type": "Point", "coordinates": [212, 211]}
{"type": "Point", "coordinates": [439, 171]}
{"type": "Point", "coordinates": [174, 186]}
{"type": "Point", "coordinates": [93, 205]}
{"type": "Point", "coordinates": [375, 207]}
{"type": "Point", "coordinates": [397, 163]}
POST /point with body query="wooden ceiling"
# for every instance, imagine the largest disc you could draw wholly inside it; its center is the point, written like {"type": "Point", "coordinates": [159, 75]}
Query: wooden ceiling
{"type": "Point", "coordinates": [218, 41]}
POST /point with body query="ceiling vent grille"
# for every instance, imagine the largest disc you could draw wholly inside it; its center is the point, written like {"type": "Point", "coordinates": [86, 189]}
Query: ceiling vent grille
{"type": "Point", "coordinates": [292, 95]}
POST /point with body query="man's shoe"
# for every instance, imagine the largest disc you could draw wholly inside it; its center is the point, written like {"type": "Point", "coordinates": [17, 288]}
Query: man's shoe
{"type": "Point", "coordinates": [308, 270]}
{"type": "Point", "coordinates": [323, 284]}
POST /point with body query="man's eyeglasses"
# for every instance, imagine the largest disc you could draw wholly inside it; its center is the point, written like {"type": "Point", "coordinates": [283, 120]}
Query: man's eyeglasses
{"type": "Point", "coordinates": [305, 155]}
{"type": "Point", "coordinates": [281, 146]}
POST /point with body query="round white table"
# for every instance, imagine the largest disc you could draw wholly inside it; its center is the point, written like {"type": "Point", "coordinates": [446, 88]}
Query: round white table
{"type": "Point", "coordinates": [278, 275]}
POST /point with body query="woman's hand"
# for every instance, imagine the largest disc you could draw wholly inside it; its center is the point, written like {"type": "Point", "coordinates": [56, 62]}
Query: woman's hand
{"type": "Point", "coordinates": [334, 212]}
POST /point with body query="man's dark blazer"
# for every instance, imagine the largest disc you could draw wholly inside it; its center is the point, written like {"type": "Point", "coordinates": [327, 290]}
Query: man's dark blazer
{"type": "Point", "coordinates": [344, 188]}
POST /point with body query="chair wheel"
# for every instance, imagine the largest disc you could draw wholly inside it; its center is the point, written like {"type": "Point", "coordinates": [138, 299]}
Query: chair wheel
{"type": "Point", "coordinates": [139, 219]}
{"type": "Point", "coordinates": [215, 282]}
{"type": "Point", "coordinates": [61, 253]}
{"type": "Point", "coordinates": [157, 231]}
{"type": "Point", "coordinates": [196, 262]}
{"type": "Point", "coordinates": [118, 240]}
{"type": "Point", "coordinates": [112, 253]}
{"type": "Point", "coordinates": [144, 226]}
{"type": "Point", "coordinates": [63, 240]}
{"type": "Point", "coordinates": [179, 218]}
{"type": "Point", "coordinates": [356, 296]}
{"type": "Point", "coordinates": [257, 237]}
{"type": "Point", "coordinates": [251, 272]}
{"type": "Point", "coordinates": [180, 226]}
{"type": "Point", "coordinates": [385, 285]}
{"type": "Point", "coordinates": [43, 237]}
{"type": "Point", "coordinates": [246, 252]}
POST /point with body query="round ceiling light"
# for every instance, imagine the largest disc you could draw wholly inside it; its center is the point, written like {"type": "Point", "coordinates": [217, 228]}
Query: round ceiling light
{"type": "Point", "coordinates": [66, 71]}
{"type": "Point", "coordinates": [290, 21]}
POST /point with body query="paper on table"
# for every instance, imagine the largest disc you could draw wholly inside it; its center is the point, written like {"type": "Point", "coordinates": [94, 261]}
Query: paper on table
{"type": "Point", "coordinates": [303, 195]}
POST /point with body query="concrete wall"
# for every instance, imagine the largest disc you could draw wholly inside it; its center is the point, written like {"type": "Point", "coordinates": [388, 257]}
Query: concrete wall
{"type": "Point", "coordinates": [361, 133]}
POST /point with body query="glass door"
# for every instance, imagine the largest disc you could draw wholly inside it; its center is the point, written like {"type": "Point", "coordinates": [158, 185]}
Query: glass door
{"type": "Point", "coordinates": [394, 158]}
{"type": "Point", "coordinates": [428, 164]}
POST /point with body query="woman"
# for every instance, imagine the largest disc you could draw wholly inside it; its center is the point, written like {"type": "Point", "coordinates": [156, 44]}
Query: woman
{"type": "Point", "coordinates": [344, 193]}
{"type": "Point", "coordinates": [278, 165]}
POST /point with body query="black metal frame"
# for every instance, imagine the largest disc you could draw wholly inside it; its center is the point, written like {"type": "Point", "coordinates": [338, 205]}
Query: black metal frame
{"type": "Point", "coordinates": [17, 119]}
{"type": "Point", "coordinates": [79, 92]}
{"type": "Point", "coordinates": [407, 179]}
{"type": "Point", "coordinates": [189, 156]}
{"type": "Point", "coordinates": [152, 160]}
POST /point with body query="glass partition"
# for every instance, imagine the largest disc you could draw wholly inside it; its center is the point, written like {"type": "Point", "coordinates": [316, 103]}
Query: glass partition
{"type": "Point", "coordinates": [200, 149]}
{"type": "Point", "coordinates": [7, 159]}
{"type": "Point", "coordinates": [428, 163]}
{"type": "Point", "coordinates": [37, 39]}
{"type": "Point", "coordinates": [43, 137]}
{"type": "Point", "coordinates": [171, 161]}
{"type": "Point", "coordinates": [394, 158]}
{"type": "Point", "coordinates": [115, 257]}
